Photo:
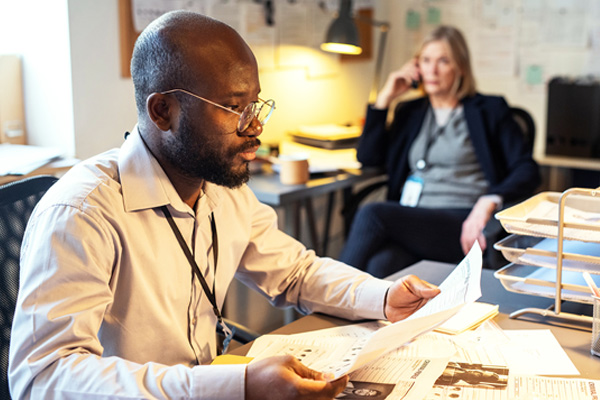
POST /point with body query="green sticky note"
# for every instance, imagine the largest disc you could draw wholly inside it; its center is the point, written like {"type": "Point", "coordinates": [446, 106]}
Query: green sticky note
{"type": "Point", "coordinates": [533, 74]}
{"type": "Point", "coordinates": [413, 20]}
{"type": "Point", "coordinates": [434, 16]}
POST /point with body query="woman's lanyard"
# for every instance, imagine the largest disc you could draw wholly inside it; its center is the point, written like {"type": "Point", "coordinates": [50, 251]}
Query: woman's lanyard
{"type": "Point", "coordinates": [422, 163]}
{"type": "Point", "coordinates": [210, 295]}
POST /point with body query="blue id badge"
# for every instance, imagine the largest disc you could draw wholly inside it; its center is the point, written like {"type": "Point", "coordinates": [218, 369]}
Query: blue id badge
{"type": "Point", "coordinates": [411, 192]}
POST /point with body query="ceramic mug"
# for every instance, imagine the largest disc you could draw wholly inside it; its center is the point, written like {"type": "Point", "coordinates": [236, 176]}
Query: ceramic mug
{"type": "Point", "coordinates": [293, 169]}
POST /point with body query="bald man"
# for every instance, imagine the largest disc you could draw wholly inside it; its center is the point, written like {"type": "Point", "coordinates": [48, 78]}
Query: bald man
{"type": "Point", "coordinates": [128, 258]}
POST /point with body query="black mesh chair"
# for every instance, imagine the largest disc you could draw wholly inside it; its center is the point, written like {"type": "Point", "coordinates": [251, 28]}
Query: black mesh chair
{"type": "Point", "coordinates": [17, 200]}
{"type": "Point", "coordinates": [493, 231]}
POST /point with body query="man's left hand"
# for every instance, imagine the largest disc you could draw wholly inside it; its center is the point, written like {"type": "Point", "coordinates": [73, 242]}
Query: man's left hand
{"type": "Point", "coordinates": [406, 296]}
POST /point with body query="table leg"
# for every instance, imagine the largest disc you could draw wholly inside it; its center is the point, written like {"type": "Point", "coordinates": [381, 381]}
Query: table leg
{"type": "Point", "coordinates": [312, 228]}
{"type": "Point", "coordinates": [326, 229]}
{"type": "Point", "coordinates": [292, 219]}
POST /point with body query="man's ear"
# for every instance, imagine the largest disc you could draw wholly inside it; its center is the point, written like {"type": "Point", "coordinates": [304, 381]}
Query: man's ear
{"type": "Point", "coordinates": [161, 110]}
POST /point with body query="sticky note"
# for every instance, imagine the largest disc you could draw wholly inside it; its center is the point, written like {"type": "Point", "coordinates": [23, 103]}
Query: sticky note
{"type": "Point", "coordinates": [533, 74]}
{"type": "Point", "coordinates": [231, 359]}
{"type": "Point", "coordinates": [434, 16]}
{"type": "Point", "coordinates": [413, 20]}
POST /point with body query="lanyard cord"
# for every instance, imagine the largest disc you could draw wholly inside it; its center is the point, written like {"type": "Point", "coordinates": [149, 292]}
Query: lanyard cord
{"type": "Point", "coordinates": [210, 295]}
{"type": "Point", "coordinates": [422, 163]}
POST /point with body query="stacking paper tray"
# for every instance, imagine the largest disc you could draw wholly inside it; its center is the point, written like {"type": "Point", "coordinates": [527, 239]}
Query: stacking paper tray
{"type": "Point", "coordinates": [538, 216]}
{"type": "Point", "coordinates": [533, 247]}
{"type": "Point", "coordinates": [540, 281]}
{"type": "Point", "coordinates": [541, 252]}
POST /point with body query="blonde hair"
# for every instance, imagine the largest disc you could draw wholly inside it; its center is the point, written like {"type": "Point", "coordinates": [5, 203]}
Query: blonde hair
{"type": "Point", "coordinates": [464, 84]}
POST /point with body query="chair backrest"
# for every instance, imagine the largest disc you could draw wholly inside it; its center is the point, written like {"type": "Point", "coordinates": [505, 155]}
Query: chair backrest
{"type": "Point", "coordinates": [526, 123]}
{"type": "Point", "coordinates": [17, 201]}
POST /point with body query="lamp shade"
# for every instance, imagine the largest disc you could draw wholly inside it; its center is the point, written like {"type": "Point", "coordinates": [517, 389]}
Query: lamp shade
{"type": "Point", "coordinates": [342, 35]}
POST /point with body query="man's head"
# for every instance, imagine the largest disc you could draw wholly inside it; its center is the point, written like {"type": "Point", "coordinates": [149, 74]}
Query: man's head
{"type": "Point", "coordinates": [189, 136]}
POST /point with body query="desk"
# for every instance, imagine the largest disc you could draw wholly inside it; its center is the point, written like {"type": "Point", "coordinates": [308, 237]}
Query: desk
{"type": "Point", "coordinates": [56, 167]}
{"type": "Point", "coordinates": [559, 166]}
{"type": "Point", "coordinates": [575, 338]}
{"type": "Point", "coordinates": [269, 190]}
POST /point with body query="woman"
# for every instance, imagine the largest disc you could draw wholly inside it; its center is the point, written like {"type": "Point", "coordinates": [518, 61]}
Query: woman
{"type": "Point", "coordinates": [453, 157]}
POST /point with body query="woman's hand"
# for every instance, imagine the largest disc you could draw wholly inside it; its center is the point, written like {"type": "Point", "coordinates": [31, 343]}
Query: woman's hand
{"type": "Point", "coordinates": [472, 227]}
{"type": "Point", "coordinates": [397, 83]}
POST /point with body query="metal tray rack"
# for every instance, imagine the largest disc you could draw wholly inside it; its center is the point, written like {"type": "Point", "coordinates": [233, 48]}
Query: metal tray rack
{"type": "Point", "coordinates": [547, 215]}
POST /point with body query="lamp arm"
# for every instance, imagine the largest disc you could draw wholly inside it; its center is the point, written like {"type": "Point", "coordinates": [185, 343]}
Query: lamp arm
{"type": "Point", "coordinates": [384, 27]}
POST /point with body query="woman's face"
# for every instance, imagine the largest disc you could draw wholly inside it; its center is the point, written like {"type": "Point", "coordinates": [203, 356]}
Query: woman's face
{"type": "Point", "coordinates": [438, 69]}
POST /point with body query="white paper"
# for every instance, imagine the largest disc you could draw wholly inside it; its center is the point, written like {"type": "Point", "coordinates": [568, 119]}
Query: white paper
{"type": "Point", "coordinates": [342, 355]}
{"type": "Point", "coordinates": [536, 352]}
{"type": "Point", "coordinates": [16, 159]}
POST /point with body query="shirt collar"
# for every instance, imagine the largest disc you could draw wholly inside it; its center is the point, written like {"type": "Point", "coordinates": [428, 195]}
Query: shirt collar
{"type": "Point", "coordinates": [143, 190]}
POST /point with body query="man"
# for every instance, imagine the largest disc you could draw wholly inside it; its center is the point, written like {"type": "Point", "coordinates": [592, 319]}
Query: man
{"type": "Point", "coordinates": [111, 306]}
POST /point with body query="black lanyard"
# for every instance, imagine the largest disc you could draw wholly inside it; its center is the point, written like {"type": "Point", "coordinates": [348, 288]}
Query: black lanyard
{"type": "Point", "coordinates": [423, 162]}
{"type": "Point", "coordinates": [186, 250]}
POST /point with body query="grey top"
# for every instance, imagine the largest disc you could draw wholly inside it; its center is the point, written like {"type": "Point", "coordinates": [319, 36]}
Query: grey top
{"type": "Point", "coordinates": [452, 176]}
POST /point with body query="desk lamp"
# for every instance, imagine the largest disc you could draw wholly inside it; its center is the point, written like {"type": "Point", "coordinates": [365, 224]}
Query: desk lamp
{"type": "Point", "coordinates": [342, 37]}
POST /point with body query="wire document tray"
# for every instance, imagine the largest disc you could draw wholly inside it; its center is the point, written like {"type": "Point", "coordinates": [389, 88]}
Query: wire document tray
{"type": "Point", "coordinates": [562, 240]}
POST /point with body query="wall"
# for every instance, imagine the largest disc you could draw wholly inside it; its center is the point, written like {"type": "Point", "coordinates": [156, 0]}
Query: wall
{"type": "Point", "coordinates": [76, 99]}
{"type": "Point", "coordinates": [103, 101]}
{"type": "Point", "coordinates": [41, 37]}
{"type": "Point", "coordinates": [539, 36]}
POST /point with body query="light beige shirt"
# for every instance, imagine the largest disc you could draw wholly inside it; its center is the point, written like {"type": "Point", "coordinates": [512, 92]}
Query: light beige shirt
{"type": "Point", "coordinates": [108, 306]}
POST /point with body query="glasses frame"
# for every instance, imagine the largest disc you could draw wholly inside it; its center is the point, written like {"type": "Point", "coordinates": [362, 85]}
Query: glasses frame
{"type": "Point", "coordinates": [250, 109]}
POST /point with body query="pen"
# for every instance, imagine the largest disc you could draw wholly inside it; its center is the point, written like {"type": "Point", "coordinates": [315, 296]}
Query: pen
{"type": "Point", "coordinates": [591, 284]}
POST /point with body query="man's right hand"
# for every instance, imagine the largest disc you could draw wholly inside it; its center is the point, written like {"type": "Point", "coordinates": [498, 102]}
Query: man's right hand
{"type": "Point", "coordinates": [284, 377]}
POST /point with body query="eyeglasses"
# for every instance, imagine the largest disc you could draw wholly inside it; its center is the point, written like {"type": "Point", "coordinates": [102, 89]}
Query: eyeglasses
{"type": "Point", "coordinates": [262, 112]}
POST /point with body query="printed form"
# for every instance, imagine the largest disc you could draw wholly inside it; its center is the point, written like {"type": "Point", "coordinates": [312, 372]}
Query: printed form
{"type": "Point", "coordinates": [356, 348]}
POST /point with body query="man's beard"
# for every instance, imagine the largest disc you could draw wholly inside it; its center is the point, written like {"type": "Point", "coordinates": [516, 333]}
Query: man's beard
{"type": "Point", "coordinates": [206, 158]}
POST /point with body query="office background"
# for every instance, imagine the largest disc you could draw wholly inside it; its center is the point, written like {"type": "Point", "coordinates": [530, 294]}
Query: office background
{"type": "Point", "coordinates": [77, 99]}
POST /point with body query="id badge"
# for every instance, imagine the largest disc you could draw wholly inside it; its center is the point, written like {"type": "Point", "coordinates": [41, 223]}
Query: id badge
{"type": "Point", "coordinates": [227, 333]}
{"type": "Point", "coordinates": [411, 192]}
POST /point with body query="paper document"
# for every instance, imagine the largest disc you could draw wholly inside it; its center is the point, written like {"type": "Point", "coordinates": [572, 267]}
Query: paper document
{"type": "Point", "coordinates": [522, 388]}
{"type": "Point", "coordinates": [346, 354]}
{"type": "Point", "coordinates": [470, 317]}
{"type": "Point", "coordinates": [536, 352]}
{"type": "Point", "coordinates": [16, 159]}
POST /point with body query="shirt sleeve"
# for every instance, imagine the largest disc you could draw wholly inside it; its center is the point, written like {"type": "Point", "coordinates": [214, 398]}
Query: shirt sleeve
{"type": "Point", "coordinates": [288, 273]}
{"type": "Point", "coordinates": [55, 351]}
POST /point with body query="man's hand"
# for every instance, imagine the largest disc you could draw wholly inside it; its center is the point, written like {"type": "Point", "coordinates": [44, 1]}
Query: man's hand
{"type": "Point", "coordinates": [406, 296]}
{"type": "Point", "coordinates": [284, 377]}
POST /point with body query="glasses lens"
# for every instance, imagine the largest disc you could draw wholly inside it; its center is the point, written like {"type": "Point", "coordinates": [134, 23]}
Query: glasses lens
{"type": "Point", "coordinates": [247, 116]}
{"type": "Point", "coordinates": [265, 111]}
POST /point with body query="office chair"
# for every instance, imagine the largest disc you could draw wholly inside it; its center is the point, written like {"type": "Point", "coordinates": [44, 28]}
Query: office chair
{"type": "Point", "coordinates": [493, 231]}
{"type": "Point", "coordinates": [17, 201]}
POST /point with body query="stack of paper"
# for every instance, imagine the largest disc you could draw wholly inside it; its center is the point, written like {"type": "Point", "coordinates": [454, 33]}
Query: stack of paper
{"type": "Point", "coordinates": [16, 159]}
{"type": "Point", "coordinates": [469, 317]}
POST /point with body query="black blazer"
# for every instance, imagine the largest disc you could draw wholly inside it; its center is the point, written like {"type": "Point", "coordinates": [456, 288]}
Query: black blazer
{"type": "Point", "coordinates": [504, 156]}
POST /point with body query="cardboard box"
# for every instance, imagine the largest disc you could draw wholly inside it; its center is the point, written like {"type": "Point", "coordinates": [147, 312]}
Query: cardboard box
{"type": "Point", "coordinates": [12, 112]}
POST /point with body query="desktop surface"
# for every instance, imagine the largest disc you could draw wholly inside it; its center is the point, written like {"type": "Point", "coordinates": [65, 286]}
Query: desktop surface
{"type": "Point", "coordinates": [574, 337]}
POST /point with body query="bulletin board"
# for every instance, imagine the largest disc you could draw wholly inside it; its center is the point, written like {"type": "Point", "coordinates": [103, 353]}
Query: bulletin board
{"type": "Point", "coordinates": [280, 35]}
{"type": "Point", "coordinates": [530, 40]}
